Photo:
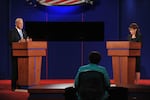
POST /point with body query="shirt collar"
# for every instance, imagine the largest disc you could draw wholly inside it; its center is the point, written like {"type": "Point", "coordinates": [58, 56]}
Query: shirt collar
{"type": "Point", "coordinates": [18, 29]}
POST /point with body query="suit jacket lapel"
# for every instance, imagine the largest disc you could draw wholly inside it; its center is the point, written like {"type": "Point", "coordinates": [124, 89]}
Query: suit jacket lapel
{"type": "Point", "coordinates": [17, 35]}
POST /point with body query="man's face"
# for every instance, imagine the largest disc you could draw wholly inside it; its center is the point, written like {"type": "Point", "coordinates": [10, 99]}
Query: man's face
{"type": "Point", "coordinates": [132, 31]}
{"type": "Point", "coordinates": [19, 24]}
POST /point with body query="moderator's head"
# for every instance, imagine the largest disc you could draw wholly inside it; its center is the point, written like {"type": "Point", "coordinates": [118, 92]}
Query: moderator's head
{"type": "Point", "coordinates": [94, 57]}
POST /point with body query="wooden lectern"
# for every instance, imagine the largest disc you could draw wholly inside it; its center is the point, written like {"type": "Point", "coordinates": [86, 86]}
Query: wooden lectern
{"type": "Point", "coordinates": [29, 61]}
{"type": "Point", "coordinates": [123, 60]}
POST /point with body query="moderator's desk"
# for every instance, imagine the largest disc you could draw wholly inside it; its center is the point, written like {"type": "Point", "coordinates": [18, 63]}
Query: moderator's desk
{"type": "Point", "coordinates": [58, 92]}
{"type": "Point", "coordinates": [48, 92]}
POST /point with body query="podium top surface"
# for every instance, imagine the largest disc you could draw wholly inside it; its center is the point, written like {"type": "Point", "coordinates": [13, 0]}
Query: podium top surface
{"type": "Point", "coordinates": [123, 45]}
{"type": "Point", "coordinates": [29, 45]}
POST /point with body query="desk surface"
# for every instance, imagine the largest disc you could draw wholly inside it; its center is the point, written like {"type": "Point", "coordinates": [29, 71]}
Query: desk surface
{"type": "Point", "coordinates": [51, 88]}
{"type": "Point", "coordinates": [60, 88]}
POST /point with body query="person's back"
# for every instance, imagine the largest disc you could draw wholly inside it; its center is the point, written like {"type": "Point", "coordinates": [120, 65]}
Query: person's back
{"type": "Point", "coordinates": [94, 59]}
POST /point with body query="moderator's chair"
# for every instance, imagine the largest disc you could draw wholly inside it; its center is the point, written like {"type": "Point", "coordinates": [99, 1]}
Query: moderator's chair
{"type": "Point", "coordinates": [91, 85]}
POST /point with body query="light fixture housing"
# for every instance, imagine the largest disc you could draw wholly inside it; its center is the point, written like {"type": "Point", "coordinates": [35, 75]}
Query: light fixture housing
{"type": "Point", "coordinates": [64, 2]}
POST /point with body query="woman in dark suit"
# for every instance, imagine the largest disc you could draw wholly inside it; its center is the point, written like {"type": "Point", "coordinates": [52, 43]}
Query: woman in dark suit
{"type": "Point", "coordinates": [135, 36]}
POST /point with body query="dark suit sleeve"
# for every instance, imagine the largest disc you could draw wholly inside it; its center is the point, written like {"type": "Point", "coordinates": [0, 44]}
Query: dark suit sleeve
{"type": "Point", "coordinates": [25, 34]}
{"type": "Point", "coordinates": [129, 37]}
{"type": "Point", "coordinates": [139, 37]}
{"type": "Point", "coordinates": [13, 36]}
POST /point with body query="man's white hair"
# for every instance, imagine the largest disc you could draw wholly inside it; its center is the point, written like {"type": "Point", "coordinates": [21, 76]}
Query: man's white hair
{"type": "Point", "coordinates": [18, 19]}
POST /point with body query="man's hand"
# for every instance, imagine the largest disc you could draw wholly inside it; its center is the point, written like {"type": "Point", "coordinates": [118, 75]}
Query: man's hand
{"type": "Point", "coordinates": [22, 40]}
{"type": "Point", "coordinates": [29, 39]}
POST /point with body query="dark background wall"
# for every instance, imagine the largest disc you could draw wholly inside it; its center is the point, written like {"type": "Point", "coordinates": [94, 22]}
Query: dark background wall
{"type": "Point", "coordinates": [4, 26]}
{"type": "Point", "coordinates": [65, 57]}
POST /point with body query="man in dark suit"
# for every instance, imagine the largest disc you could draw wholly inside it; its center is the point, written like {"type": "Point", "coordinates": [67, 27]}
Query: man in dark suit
{"type": "Point", "coordinates": [16, 35]}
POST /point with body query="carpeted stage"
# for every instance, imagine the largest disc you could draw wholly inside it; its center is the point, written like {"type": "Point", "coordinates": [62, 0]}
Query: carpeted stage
{"type": "Point", "coordinates": [55, 90]}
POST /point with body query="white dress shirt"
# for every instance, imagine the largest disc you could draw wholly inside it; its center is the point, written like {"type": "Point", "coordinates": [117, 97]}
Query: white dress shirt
{"type": "Point", "coordinates": [20, 32]}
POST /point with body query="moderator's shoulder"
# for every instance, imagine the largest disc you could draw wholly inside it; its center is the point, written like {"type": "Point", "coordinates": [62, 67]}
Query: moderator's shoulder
{"type": "Point", "coordinates": [102, 67]}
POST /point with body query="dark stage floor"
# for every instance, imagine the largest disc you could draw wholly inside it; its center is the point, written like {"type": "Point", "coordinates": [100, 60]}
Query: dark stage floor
{"type": "Point", "coordinates": [55, 90]}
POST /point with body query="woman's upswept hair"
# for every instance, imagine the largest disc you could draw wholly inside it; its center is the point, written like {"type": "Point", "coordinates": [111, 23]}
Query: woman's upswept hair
{"type": "Point", "coordinates": [134, 26]}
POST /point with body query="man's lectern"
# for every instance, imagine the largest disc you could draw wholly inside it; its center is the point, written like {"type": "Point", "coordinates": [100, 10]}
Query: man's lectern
{"type": "Point", "coordinates": [29, 61]}
{"type": "Point", "coordinates": [123, 60]}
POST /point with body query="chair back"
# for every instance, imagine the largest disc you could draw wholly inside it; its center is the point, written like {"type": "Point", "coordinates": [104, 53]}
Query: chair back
{"type": "Point", "coordinates": [91, 85]}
